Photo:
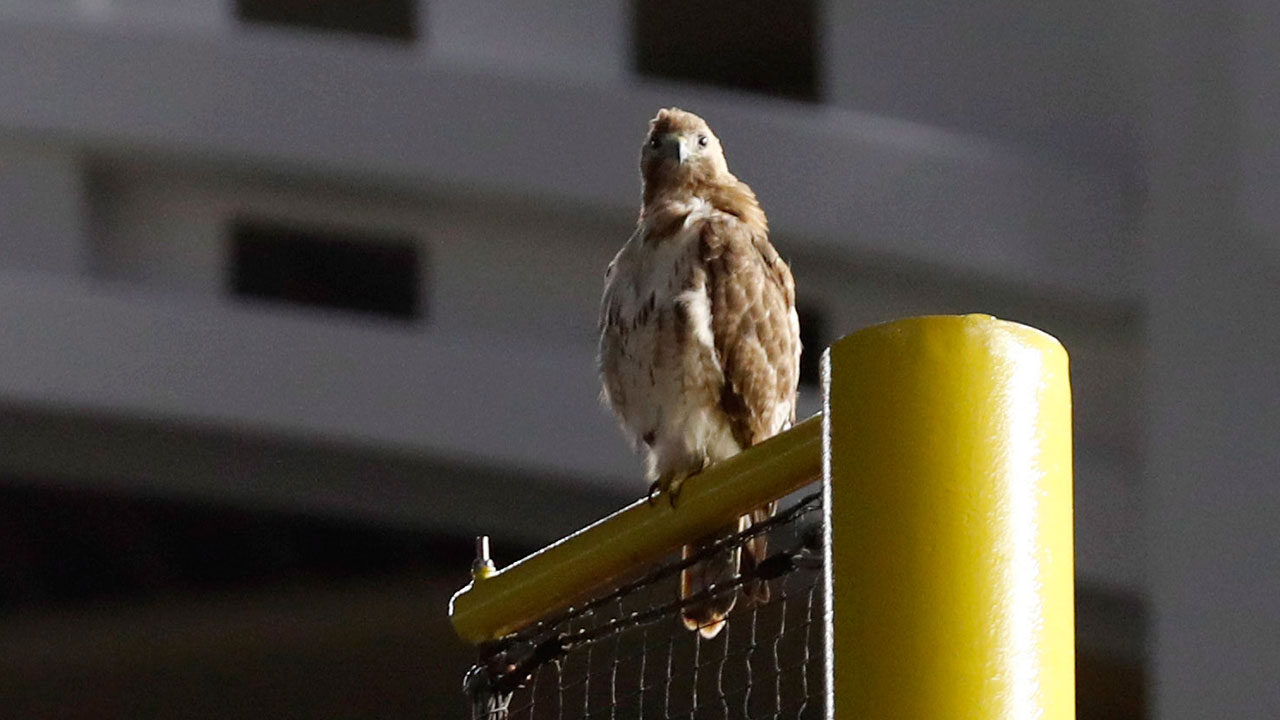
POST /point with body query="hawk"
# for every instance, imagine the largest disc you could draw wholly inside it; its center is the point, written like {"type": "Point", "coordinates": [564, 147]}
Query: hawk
{"type": "Point", "coordinates": [699, 337]}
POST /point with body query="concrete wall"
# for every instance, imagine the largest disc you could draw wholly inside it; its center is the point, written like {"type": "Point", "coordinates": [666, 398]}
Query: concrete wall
{"type": "Point", "coordinates": [1213, 390]}
{"type": "Point", "coordinates": [43, 225]}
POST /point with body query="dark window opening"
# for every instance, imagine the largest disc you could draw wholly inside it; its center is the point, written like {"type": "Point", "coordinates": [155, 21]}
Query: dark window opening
{"type": "Point", "coordinates": [376, 275]}
{"type": "Point", "coordinates": [69, 546]}
{"type": "Point", "coordinates": [814, 339]}
{"type": "Point", "coordinates": [767, 47]}
{"type": "Point", "coordinates": [1111, 634]}
{"type": "Point", "coordinates": [393, 19]}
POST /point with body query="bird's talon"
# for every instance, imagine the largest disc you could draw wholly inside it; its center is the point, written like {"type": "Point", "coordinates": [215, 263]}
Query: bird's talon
{"type": "Point", "coordinates": [655, 488]}
{"type": "Point", "coordinates": [673, 493]}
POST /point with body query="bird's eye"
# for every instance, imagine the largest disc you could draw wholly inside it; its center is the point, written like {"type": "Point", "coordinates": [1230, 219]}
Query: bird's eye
{"type": "Point", "coordinates": [655, 143]}
{"type": "Point", "coordinates": [702, 141]}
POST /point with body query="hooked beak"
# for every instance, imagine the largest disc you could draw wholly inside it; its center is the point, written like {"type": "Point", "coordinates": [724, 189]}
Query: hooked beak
{"type": "Point", "coordinates": [674, 147]}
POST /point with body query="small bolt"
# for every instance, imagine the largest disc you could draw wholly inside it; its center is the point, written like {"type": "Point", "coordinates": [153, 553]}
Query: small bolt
{"type": "Point", "coordinates": [482, 567]}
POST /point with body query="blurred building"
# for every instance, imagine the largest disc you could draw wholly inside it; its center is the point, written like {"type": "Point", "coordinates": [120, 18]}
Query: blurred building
{"type": "Point", "coordinates": [297, 297]}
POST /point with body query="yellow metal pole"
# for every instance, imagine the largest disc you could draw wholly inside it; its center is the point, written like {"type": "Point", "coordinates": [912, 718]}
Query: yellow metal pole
{"type": "Point", "coordinates": [948, 447]}
{"type": "Point", "coordinates": [502, 602]}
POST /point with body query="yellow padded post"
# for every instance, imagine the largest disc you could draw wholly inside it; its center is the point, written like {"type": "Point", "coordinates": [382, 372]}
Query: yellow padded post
{"type": "Point", "coordinates": [948, 445]}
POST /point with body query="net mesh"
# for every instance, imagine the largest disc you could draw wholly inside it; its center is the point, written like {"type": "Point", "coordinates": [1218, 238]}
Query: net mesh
{"type": "Point", "coordinates": [627, 655]}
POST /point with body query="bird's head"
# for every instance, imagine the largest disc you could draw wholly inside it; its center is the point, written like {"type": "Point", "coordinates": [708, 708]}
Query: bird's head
{"type": "Point", "coordinates": [680, 151]}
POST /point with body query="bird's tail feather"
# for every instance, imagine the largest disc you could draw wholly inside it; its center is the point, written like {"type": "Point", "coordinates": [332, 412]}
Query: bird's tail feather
{"type": "Point", "coordinates": [754, 551]}
{"type": "Point", "coordinates": [708, 616]}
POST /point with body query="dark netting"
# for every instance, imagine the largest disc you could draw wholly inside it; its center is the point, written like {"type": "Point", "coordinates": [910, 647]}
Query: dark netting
{"type": "Point", "coordinates": [626, 655]}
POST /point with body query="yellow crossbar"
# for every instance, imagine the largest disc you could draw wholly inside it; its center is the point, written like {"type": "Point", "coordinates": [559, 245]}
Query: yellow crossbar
{"type": "Point", "coordinates": [636, 536]}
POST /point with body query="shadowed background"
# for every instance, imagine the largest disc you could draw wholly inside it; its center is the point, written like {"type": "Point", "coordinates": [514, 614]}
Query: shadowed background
{"type": "Point", "coordinates": [298, 297]}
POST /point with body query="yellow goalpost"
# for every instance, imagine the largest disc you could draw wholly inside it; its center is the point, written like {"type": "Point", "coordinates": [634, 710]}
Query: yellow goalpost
{"type": "Point", "coordinates": [942, 556]}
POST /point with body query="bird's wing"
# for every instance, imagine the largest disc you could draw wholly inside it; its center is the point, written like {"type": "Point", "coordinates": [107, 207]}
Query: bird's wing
{"type": "Point", "coordinates": [607, 349]}
{"type": "Point", "coordinates": [754, 326]}
{"type": "Point", "coordinates": [607, 299]}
